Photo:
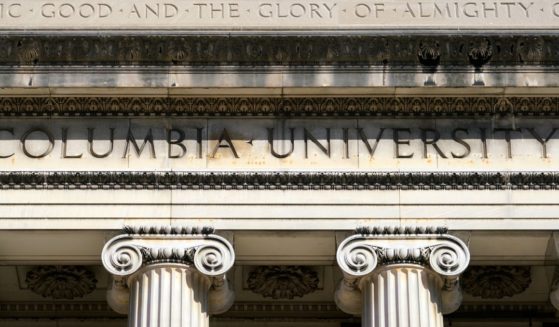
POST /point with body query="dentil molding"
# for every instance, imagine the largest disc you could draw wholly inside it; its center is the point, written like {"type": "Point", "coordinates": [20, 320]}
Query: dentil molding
{"type": "Point", "coordinates": [314, 181]}
{"type": "Point", "coordinates": [321, 310]}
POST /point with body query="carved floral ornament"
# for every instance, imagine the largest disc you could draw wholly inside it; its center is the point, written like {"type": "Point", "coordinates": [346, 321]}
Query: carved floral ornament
{"type": "Point", "coordinates": [283, 282]}
{"type": "Point", "coordinates": [61, 282]}
{"type": "Point", "coordinates": [288, 106]}
{"type": "Point", "coordinates": [496, 282]}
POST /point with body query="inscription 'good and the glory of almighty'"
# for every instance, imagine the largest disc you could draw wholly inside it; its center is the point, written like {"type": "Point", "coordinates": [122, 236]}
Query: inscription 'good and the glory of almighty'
{"type": "Point", "coordinates": [282, 15]}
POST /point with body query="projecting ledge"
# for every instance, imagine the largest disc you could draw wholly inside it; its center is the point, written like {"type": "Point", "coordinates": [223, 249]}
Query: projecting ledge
{"type": "Point", "coordinates": [277, 81]}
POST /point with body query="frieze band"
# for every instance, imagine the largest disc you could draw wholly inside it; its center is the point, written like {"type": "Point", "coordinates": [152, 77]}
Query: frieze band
{"type": "Point", "coordinates": [278, 106]}
{"type": "Point", "coordinates": [103, 180]}
{"type": "Point", "coordinates": [249, 50]}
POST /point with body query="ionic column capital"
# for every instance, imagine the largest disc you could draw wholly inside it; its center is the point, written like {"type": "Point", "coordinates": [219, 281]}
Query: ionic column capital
{"type": "Point", "coordinates": [199, 249]}
{"type": "Point", "coordinates": [360, 257]}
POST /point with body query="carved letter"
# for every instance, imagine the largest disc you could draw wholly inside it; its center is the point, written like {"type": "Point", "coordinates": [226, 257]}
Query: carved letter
{"type": "Point", "coordinates": [170, 10]}
{"type": "Point", "coordinates": [90, 132]}
{"type": "Point", "coordinates": [65, 146]}
{"type": "Point", "coordinates": [50, 12]}
{"type": "Point", "coordinates": [265, 13]}
{"type": "Point", "coordinates": [483, 142]}
{"type": "Point", "coordinates": [234, 10]}
{"type": "Point", "coordinates": [271, 143]}
{"type": "Point", "coordinates": [105, 10]}
{"type": "Point", "coordinates": [487, 9]}
{"type": "Point", "coordinates": [409, 10]}
{"type": "Point", "coordinates": [131, 139]}
{"type": "Point", "coordinates": [153, 10]}
{"type": "Point", "coordinates": [398, 142]}
{"type": "Point", "coordinates": [315, 10]}
{"type": "Point", "coordinates": [177, 142]}
{"type": "Point", "coordinates": [135, 11]}
{"type": "Point", "coordinates": [379, 7]}
{"type": "Point", "coordinates": [365, 140]}
{"type": "Point", "coordinates": [421, 12]}
{"type": "Point", "coordinates": [508, 5]}
{"type": "Point", "coordinates": [432, 141]}
{"type": "Point", "coordinates": [526, 8]}
{"type": "Point", "coordinates": [86, 10]}
{"type": "Point", "coordinates": [225, 137]}
{"type": "Point", "coordinates": [330, 9]}
{"type": "Point", "coordinates": [507, 132]}
{"type": "Point", "coordinates": [71, 10]}
{"type": "Point", "coordinates": [11, 131]}
{"type": "Point", "coordinates": [541, 140]}
{"type": "Point", "coordinates": [462, 142]}
{"type": "Point", "coordinates": [362, 10]}
{"type": "Point", "coordinates": [346, 142]}
{"type": "Point", "coordinates": [309, 136]}
{"type": "Point", "coordinates": [473, 13]}
{"type": "Point", "coordinates": [13, 12]}
{"type": "Point", "coordinates": [37, 130]}
{"type": "Point", "coordinates": [199, 141]}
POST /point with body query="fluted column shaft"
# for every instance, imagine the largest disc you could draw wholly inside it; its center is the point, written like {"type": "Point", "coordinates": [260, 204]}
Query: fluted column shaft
{"type": "Point", "coordinates": [402, 296]}
{"type": "Point", "coordinates": [168, 295]}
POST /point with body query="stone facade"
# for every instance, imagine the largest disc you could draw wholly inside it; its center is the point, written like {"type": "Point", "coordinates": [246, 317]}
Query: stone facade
{"type": "Point", "coordinates": [257, 163]}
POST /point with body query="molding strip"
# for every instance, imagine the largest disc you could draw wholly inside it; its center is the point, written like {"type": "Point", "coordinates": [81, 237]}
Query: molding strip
{"type": "Point", "coordinates": [278, 106]}
{"type": "Point", "coordinates": [264, 309]}
{"type": "Point", "coordinates": [358, 181]}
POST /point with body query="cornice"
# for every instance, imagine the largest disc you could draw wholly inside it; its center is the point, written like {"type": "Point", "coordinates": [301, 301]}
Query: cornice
{"type": "Point", "coordinates": [425, 50]}
{"type": "Point", "coordinates": [357, 181]}
{"type": "Point", "coordinates": [395, 106]}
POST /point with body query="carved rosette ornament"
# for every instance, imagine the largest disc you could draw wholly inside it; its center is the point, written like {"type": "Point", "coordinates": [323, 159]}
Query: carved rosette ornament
{"type": "Point", "coordinates": [390, 271]}
{"type": "Point", "coordinates": [154, 267]}
{"type": "Point", "coordinates": [61, 282]}
{"type": "Point", "coordinates": [496, 282]}
{"type": "Point", "coordinates": [283, 282]}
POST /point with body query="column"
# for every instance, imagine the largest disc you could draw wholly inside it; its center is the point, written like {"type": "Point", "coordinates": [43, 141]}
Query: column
{"type": "Point", "coordinates": [401, 277]}
{"type": "Point", "coordinates": [169, 276]}
{"type": "Point", "coordinates": [553, 252]}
